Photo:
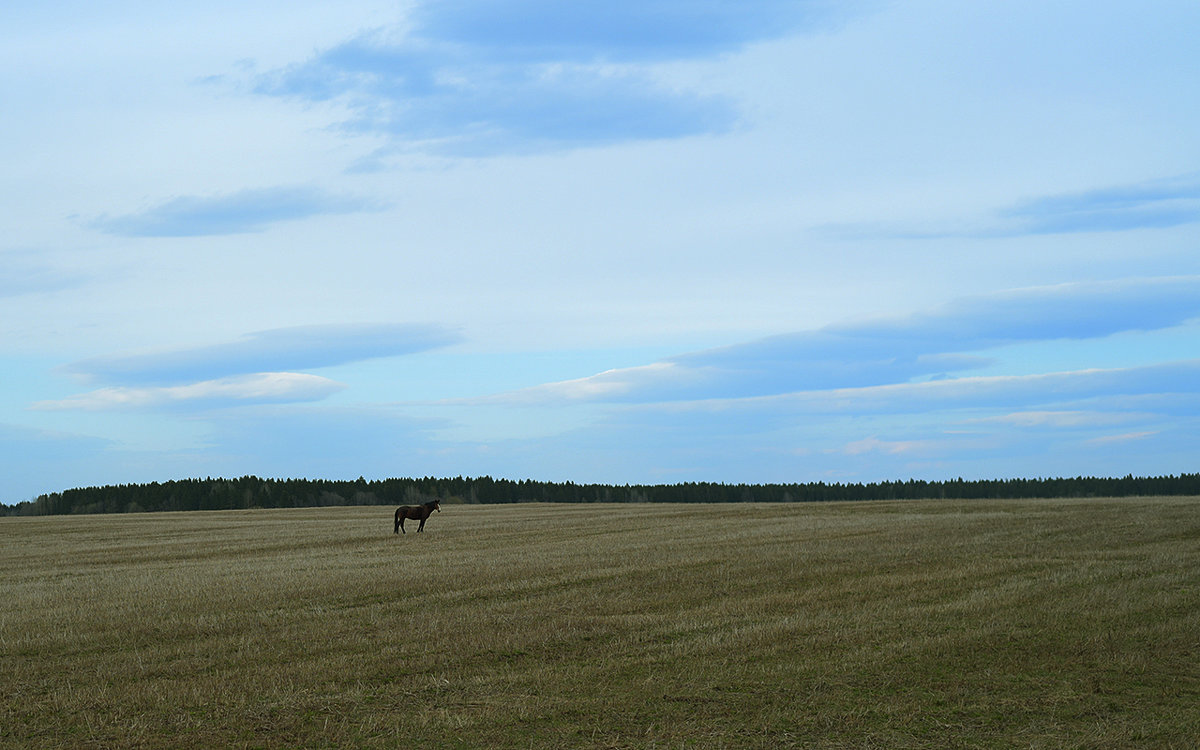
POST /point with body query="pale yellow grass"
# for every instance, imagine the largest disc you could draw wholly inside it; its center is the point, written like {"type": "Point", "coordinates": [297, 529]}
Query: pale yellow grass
{"type": "Point", "coordinates": [907, 624]}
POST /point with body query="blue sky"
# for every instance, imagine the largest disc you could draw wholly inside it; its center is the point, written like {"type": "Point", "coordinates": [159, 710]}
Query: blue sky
{"type": "Point", "coordinates": [602, 242]}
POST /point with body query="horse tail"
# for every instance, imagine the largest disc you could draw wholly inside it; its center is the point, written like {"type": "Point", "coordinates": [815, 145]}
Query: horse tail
{"type": "Point", "coordinates": [396, 530]}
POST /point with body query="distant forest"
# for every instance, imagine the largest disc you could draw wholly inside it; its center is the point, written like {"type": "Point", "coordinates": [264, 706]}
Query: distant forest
{"type": "Point", "coordinates": [253, 492]}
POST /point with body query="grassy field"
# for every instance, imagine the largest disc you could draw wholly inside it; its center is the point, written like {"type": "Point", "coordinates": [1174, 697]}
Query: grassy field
{"type": "Point", "coordinates": [1055, 623]}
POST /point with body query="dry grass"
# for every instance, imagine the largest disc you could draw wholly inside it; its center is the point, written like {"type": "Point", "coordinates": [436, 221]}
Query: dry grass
{"type": "Point", "coordinates": [908, 624]}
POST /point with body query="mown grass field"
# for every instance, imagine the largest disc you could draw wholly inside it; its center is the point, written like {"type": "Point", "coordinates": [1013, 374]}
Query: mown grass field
{"type": "Point", "coordinates": [1053, 623]}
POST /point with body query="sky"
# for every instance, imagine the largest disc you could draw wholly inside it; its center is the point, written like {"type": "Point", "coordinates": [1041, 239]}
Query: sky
{"type": "Point", "coordinates": [630, 242]}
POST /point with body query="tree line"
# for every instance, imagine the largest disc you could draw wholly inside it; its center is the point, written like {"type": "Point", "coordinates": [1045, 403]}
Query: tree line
{"type": "Point", "coordinates": [253, 492]}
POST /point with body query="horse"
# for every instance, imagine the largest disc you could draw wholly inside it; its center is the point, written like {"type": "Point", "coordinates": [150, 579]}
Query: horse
{"type": "Point", "coordinates": [416, 513]}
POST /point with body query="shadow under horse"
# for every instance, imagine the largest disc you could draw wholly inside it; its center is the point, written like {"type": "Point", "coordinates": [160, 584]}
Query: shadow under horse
{"type": "Point", "coordinates": [415, 513]}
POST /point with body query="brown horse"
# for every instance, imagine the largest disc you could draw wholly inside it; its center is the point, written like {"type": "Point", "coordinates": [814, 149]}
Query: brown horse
{"type": "Point", "coordinates": [416, 513]}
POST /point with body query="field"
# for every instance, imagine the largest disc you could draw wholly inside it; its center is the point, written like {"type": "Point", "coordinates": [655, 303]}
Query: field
{"type": "Point", "coordinates": [1051, 623]}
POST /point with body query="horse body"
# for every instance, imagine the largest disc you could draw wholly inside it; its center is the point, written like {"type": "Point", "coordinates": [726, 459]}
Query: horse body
{"type": "Point", "coordinates": [415, 513]}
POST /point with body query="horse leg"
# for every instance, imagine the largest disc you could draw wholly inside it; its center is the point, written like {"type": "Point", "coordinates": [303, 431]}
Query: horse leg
{"type": "Point", "coordinates": [401, 522]}
{"type": "Point", "coordinates": [422, 526]}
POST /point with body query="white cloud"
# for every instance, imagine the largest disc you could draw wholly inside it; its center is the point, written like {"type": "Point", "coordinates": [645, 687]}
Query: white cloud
{"type": "Point", "coordinates": [1125, 438]}
{"type": "Point", "coordinates": [890, 447]}
{"type": "Point", "coordinates": [264, 387]}
{"type": "Point", "coordinates": [294, 348]}
{"type": "Point", "coordinates": [610, 384]}
{"type": "Point", "coordinates": [1057, 419]}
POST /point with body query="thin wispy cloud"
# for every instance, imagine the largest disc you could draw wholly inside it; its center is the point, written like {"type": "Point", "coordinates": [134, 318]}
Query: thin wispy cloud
{"type": "Point", "coordinates": [1123, 438]}
{"type": "Point", "coordinates": [277, 350]}
{"type": "Point", "coordinates": [1080, 310]}
{"type": "Point", "coordinates": [1150, 205]}
{"type": "Point", "coordinates": [241, 212]}
{"type": "Point", "coordinates": [890, 447]}
{"type": "Point", "coordinates": [596, 30]}
{"type": "Point", "coordinates": [935, 343]}
{"type": "Point", "coordinates": [260, 388]}
{"type": "Point", "coordinates": [1044, 390]}
{"type": "Point", "coordinates": [481, 78]}
{"type": "Point", "coordinates": [1154, 204]}
{"type": "Point", "coordinates": [1067, 420]}
{"type": "Point", "coordinates": [25, 272]}
{"type": "Point", "coordinates": [964, 416]}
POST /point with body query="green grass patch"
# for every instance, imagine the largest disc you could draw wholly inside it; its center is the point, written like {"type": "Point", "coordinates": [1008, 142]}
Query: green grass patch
{"type": "Point", "coordinates": [1053, 623]}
